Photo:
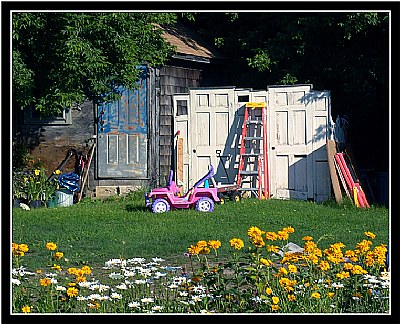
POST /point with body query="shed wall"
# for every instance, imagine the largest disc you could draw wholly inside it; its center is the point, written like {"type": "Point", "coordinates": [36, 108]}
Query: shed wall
{"type": "Point", "coordinates": [172, 80]}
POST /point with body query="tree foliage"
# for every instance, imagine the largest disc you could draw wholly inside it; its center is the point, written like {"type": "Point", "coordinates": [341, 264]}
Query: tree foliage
{"type": "Point", "coordinates": [344, 52]}
{"type": "Point", "coordinates": [63, 58]}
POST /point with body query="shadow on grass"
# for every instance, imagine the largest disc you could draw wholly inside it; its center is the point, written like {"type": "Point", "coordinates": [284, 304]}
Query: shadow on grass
{"type": "Point", "coordinates": [136, 207]}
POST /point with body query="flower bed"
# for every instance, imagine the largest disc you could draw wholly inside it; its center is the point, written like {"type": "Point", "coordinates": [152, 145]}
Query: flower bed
{"type": "Point", "coordinates": [259, 276]}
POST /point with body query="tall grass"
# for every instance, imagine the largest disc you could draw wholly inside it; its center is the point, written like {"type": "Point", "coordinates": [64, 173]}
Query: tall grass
{"type": "Point", "coordinates": [95, 230]}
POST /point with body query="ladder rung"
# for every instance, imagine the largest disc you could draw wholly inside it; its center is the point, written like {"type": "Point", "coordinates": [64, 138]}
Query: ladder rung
{"type": "Point", "coordinates": [249, 138]}
{"type": "Point", "coordinates": [251, 154]}
{"type": "Point", "coordinates": [248, 172]}
{"type": "Point", "coordinates": [258, 122]}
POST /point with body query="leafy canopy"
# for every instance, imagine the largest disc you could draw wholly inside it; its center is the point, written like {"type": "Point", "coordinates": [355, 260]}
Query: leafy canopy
{"type": "Point", "coordinates": [63, 59]}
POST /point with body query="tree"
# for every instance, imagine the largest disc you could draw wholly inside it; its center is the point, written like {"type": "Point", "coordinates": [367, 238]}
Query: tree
{"type": "Point", "coordinates": [345, 52]}
{"type": "Point", "coordinates": [62, 58]}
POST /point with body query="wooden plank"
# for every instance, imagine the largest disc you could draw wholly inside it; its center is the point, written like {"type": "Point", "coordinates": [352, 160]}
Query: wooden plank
{"type": "Point", "coordinates": [331, 150]}
{"type": "Point", "coordinates": [179, 171]}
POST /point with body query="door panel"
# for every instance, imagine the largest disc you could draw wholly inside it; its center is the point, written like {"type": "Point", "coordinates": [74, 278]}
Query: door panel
{"type": "Point", "coordinates": [212, 117]}
{"type": "Point", "coordinates": [289, 142]}
{"type": "Point", "coordinates": [298, 124]}
{"type": "Point", "coordinates": [182, 125]}
{"type": "Point", "coordinates": [122, 134]}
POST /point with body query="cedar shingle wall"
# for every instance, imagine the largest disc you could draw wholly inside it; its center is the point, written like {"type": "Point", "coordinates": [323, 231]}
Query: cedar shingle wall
{"type": "Point", "coordinates": [172, 80]}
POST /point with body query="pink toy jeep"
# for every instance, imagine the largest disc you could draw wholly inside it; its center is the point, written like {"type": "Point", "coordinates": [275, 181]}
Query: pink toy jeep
{"type": "Point", "coordinates": [201, 198]}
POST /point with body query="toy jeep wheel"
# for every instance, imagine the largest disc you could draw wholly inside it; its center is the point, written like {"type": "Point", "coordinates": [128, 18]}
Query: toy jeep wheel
{"type": "Point", "coordinates": [235, 196]}
{"type": "Point", "coordinates": [221, 198]}
{"type": "Point", "coordinates": [160, 205]}
{"type": "Point", "coordinates": [205, 204]}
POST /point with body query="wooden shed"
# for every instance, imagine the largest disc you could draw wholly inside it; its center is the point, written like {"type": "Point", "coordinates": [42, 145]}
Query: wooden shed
{"type": "Point", "coordinates": [135, 134]}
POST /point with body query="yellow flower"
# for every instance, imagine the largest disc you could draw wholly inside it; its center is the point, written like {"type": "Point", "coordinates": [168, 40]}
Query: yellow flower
{"type": "Point", "coordinates": [268, 291]}
{"type": "Point", "coordinates": [324, 265]}
{"type": "Point", "coordinates": [292, 268]}
{"type": "Point", "coordinates": [331, 294]}
{"type": "Point", "coordinates": [56, 267]}
{"type": "Point", "coordinates": [349, 254]}
{"type": "Point", "coordinates": [316, 295]}
{"type": "Point", "coordinates": [291, 297]}
{"type": "Point", "coordinates": [348, 266]}
{"type": "Point", "coordinates": [14, 247]}
{"type": "Point", "coordinates": [51, 246]}
{"type": "Point", "coordinates": [26, 309]}
{"type": "Point", "coordinates": [72, 292]}
{"type": "Point", "coordinates": [274, 307]}
{"type": "Point", "coordinates": [80, 278]}
{"type": "Point", "coordinates": [201, 244]}
{"type": "Point", "coordinates": [266, 262]}
{"type": "Point", "coordinates": [282, 235]}
{"type": "Point", "coordinates": [343, 274]}
{"type": "Point", "coordinates": [307, 238]}
{"type": "Point", "coordinates": [275, 300]}
{"type": "Point", "coordinates": [288, 229]}
{"type": "Point", "coordinates": [57, 172]}
{"type": "Point", "coordinates": [72, 270]}
{"type": "Point", "coordinates": [254, 231]}
{"type": "Point", "coordinates": [236, 243]}
{"type": "Point", "coordinates": [79, 272]}
{"type": "Point", "coordinates": [204, 250]}
{"type": "Point", "coordinates": [283, 270]}
{"type": "Point", "coordinates": [357, 269]}
{"type": "Point", "coordinates": [309, 246]}
{"type": "Point", "coordinates": [86, 270]}
{"type": "Point", "coordinates": [45, 282]}
{"type": "Point", "coordinates": [272, 248]}
{"type": "Point", "coordinates": [363, 246]}
{"type": "Point", "coordinates": [23, 248]}
{"type": "Point", "coordinates": [58, 255]}
{"type": "Point", "coordinates": [257, 241]}
{"type": "Point", "coordinates": [369, 234]}
{"type": "Point", "coordinates": [37, 172]}
{"type": "Point", "coordinates": [194, 250]}
{"type": "Point", "coordinates": [214, 244]}
{"type": "Point", "coordinates": [271, 236]}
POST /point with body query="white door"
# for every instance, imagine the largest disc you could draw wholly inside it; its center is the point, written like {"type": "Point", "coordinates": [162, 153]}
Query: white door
{"type": "Point", "coordinates": [181, 125]}
{"type": "Point", "coordinates": [216, 125]}
{"type": "Point", "coordinates": [297, 122]}
{"type": "Point", "coordinates": [322, 123]}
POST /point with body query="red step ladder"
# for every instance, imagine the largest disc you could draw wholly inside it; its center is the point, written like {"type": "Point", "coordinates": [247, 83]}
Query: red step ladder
{"type": "Point", "coordinates": [253, 163]}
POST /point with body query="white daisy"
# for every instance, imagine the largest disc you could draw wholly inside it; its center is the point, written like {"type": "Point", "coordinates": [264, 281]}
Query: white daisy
{"type": "Point", "coordinates": [134, 305]}
{"type": "Point", "coordinates": [147, 300]}
{"type": "Point", "coordinates": [157, 308]}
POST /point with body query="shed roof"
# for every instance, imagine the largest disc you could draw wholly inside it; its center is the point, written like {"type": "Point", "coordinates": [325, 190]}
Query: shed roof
{"type": "Point", "coordinates": [189, 43]}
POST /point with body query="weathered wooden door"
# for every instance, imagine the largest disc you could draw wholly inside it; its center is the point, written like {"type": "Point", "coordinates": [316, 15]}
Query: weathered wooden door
{"type": "Point", "coordinates": [298, 124]}
{"type": "Point", "coordinates": [214, 126]}
{"type": "Point", "coordinates": [122, 135]}
{"type": "Point", "coordinates": [182, 155]}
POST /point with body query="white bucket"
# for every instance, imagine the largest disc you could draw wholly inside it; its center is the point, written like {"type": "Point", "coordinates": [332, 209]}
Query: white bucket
{"type": "Point", "coordinates": [65, 197]}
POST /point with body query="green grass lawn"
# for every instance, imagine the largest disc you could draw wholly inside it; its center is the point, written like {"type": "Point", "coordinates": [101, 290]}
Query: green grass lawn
{"type": "Point", "coordinates": [95, 231]}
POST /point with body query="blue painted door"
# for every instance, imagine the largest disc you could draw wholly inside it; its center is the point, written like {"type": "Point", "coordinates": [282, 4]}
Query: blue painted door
{"type": "Point", "coordinates": [122, 135]}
